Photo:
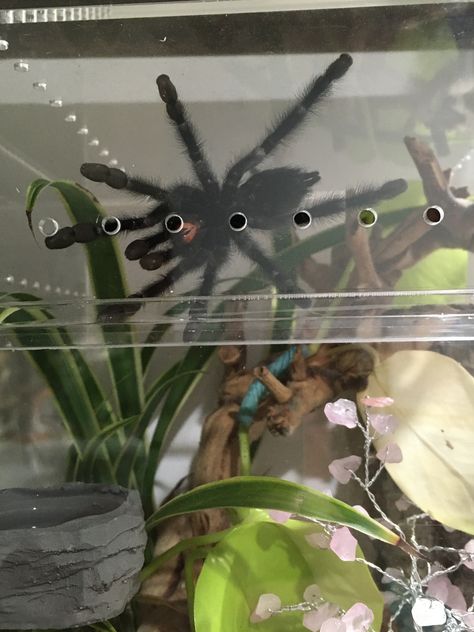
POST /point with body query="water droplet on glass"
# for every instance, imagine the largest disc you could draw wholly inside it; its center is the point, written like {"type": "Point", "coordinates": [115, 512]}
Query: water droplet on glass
{"type": "Point", "coordinates": [3, 45]}
{"type": "Point", "coordinates": [76, 293]}
{"type": "Point", "coordinates": [33, 526]}
{"type": "Point", "coordinates": [71, 118]}
{"type": "Point", "coordinates": [40, 85]}
{"type": "Point", "coordinates": [93, 143]}
{"type": "Point", "coordinates": [58, 290]}
{"type": "Point", "coordinates": [36, 285]}
{"type": "Point", "coordinates": [21, 66]}
{"type": "Point", "coordinates": [48, 226]}
{"type": "Point", "coordinates": [23, 282]}
{"type": "Point", "coordinates": [35, 508]}
{"type": "Point", "coordinates": [10, 279]}
{"type": "Point", "coordinates": [67, 292]}
{"type": "Point", "coordinates": [17, 189]}
{"type": "Point", "coordinates": [104, 152]}
{"type": "Point", "coordinates": [113, 162]}
{"type": "Point", "coordinates": [56, 103]}
{"type": "Point", "coordinates": [83, 131]}
{"type": "Point", "coordinates": [47, 288]}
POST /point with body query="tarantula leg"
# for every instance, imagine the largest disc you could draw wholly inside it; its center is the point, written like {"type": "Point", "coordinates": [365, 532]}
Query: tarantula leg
{"type": "Point", "coordinates": [140, 247]}
{"type": "Point", "coordinates": [85, 232]}
{"type": "Point", "coordinates": [357, 198]}
{"type": "Point", "coordinates": [290, 121]}
{"type": "Point", "coordinates": [177, 113]}
{"type": "Point", "coordinates": [281, 281]}
{"type": "Point", "coordinates": [155, 260]}
{"type": "Point", "coordinates": [199, 307]}
{"type": "Point", "coordinates": [118, 179]}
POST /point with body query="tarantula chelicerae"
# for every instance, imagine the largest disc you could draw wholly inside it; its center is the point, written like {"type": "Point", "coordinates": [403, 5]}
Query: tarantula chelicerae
{"type": "Point", "coordinates": [195, 226]}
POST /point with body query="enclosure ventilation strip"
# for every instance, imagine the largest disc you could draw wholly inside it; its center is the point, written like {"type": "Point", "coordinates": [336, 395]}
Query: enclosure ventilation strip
{"type": "Point", "coordinates": [170, 9]}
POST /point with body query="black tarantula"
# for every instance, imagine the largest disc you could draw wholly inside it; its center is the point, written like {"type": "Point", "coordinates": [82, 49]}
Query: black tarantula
{"type": "Point", "coordinates": [195, 226]}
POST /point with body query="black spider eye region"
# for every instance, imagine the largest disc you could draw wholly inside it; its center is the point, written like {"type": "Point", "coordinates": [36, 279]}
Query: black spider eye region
{"type": "Point", "coordinates": [174, 223]}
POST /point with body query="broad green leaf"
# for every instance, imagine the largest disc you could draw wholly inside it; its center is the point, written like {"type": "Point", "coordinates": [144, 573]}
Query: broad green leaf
{"type": "Point", "coordinates": [107, 278]}
{"type": "Point", "coordinates": [265, 557]}
{"type": "Point", "coordinates": [265, 492]}
{"type": "Point", "coordinates": [434, 405]}
{"type": "Point", "coordinates": [445, 268]}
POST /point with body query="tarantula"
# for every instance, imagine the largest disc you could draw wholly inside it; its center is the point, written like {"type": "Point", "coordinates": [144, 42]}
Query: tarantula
{"type": "Point", "coordinates": [195, 226]}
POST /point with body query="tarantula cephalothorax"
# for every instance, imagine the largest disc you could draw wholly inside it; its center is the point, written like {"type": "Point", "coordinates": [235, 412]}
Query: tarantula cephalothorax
{"type": "Point", "coordinates": [194, 226]}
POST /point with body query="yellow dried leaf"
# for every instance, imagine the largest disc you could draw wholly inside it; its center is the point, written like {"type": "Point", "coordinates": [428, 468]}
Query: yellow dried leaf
{"type": "Point", "coordinates": [434, 404]}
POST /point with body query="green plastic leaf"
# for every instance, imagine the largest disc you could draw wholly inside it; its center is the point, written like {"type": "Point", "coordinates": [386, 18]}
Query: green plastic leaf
{"type": "Point", "coordinates": [108, 281]}
{"type": "Point", "coordinates": [191, 368]}
{"type": "Point", "coordinates": [265, 557]}
{"type": "Point", "coordinates": [446, 268]}
{"type": "Point", "coordinates": [434, 406]}
{"type": "Point", "coordinates": [266, 492]}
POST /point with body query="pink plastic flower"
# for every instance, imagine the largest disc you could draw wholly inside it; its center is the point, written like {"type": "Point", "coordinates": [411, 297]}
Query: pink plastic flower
{"type": "Point", "coordinates": [343, 544]}
{"type": "Point", "coordinates": [383, 424]}
{"type": "Point", "coordinates": [390, 453]}
{"type": "Point", "coordinates": [333, 625]}
{"type": "Point", "coordinates": [377, 402]}
{"type": "Point", "coordinates": [358, 618]}
{"type": "Point", "coordinates": [342, 469]}
{"type": "Point", "coordinates": [469, 548]}
{"type": "Point", "coordinates": [279, 516]}
{"type": "Point", "coordinates": [319, 540]}
{"type": "Point", "coordinates": [342, 412]}
{"type": "Point", "coordinates": [266, 604]}
{"type": "Point", "coordinates": [314, 620]}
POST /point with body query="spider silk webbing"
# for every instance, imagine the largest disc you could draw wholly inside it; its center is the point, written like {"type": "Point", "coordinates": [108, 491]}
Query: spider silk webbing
{"type": "Point", "coordinates": [257, 391]}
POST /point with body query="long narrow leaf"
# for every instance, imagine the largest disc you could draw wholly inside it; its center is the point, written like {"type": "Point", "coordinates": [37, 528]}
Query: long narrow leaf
{"type": "Point", "coordinates": [196, 358]}
{"type": "Point", "coordinates": [108, 281]}
{"type": "Point", "coordinates": [265, 492]}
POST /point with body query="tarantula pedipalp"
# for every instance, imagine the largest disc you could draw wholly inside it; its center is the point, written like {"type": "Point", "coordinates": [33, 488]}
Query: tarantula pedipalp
{"type": "Point", "coordinates": [196, 226]}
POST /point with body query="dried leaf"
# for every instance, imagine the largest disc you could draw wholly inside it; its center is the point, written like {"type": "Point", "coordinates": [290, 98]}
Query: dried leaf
{"type": "Point", "coordinates": [434, 404]}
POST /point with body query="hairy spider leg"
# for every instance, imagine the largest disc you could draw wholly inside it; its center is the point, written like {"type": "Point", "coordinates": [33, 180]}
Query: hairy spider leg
{"type": "Point", "coordinates": [85, 232]}
{"type": "Point", "coordinates": [118, 179]}
{"type": "Point", "coordinates": [357, 198]}
{"type": "Point", "coordinates": [282, 282]}
{"type": "Point", "coordinates": [290, 121]}
{"type": "Point", "coordinates": [199, 307]}
{"type": "Point", "coordinates": [178, 115]}
{"type": "Point", "coordinates": [121, 311]}
{"type": "Point", "coordinates": [139, 248]}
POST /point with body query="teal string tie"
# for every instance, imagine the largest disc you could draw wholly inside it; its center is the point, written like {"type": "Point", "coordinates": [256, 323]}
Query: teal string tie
{"type": "Point", "coordinates": [257, 391]}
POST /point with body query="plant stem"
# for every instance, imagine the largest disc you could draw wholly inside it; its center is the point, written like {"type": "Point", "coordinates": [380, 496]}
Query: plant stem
{"type": "Point", "coordinates": [244, 451]}
{"type": "Point", "coordinates": [180, 547]}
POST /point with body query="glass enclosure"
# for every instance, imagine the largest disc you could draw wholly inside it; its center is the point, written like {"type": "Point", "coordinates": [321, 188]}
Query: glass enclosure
{"type": "Point", "coordinates": [237, 316]}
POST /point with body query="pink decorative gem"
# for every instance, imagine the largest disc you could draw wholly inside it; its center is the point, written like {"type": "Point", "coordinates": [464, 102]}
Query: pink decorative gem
{"type": "Point", "coordinates": [342, 469]}
{"type": "Point", "coordinates": [312, 593]}
{"type": "Point", "coordinates": [377, 402]}
{"type": "Point", "coordinates": [279, 516]}
{"type": "Point", "coordinates": [267, 603]}
{"type": "Point", "coordinates": [402, 504]}
{"type": "Point", "coordinates": [319, 540]}
{"type": "Point", "coordinates": [343, 544]}
{"type": "Point", "coordinates": [469, 548]}
{"type": "Point", "coordinates": [442, 589]}
{"type": "Point", "coordinates": [383, 424]}
{"type": "Point", "coordinates": [390, 453]}
{"type": "Point", "coordinates": [314, 620]}
{"type": "Point", "coordinates": [359, 618]}
{"type": "Point", "coordinates": [342, 412]}
{"type": "Point", "coordinates": [333, 625]}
